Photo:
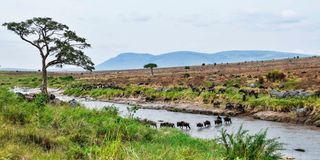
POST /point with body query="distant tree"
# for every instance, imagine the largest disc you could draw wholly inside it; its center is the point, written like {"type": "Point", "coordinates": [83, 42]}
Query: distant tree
{"type": "Point", "coordinates": [151, 66]}
{"type": "Point", "coordinates": [56, 43]}
{"type": "Point", "coordinates": [186, 67]}
{"type": "Point", "coordinates": [203, 64]}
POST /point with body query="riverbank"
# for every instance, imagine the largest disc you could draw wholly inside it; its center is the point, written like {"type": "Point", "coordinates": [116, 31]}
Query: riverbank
{"type": "Point", "coordinates": [305, 117]}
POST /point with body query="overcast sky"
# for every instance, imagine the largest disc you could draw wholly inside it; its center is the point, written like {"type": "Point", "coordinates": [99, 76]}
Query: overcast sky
{"type": "Point", "coordinates": [158, 26]}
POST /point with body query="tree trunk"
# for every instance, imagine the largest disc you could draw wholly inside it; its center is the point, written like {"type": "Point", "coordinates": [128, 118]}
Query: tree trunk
{"type": "Point", "coordinates": [44, 85]}
{"type": "Point", "coordinates": [151, 71]}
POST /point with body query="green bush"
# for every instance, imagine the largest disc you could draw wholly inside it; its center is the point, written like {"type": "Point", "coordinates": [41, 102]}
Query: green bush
{"type": "Point", "coordinates": [251, 147]}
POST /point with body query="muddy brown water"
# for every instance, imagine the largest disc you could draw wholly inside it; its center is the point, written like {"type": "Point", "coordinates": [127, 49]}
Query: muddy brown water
{"type": "Point", "coordinates": [293, 136]}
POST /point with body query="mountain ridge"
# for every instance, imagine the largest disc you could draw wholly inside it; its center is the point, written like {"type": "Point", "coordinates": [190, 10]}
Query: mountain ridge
{"type": "Point", "coordinates": [132, 60]}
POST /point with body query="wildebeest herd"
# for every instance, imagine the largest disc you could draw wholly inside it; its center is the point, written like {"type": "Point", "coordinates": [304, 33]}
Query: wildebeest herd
{"type": "Point", "coordinates": [185, 125]}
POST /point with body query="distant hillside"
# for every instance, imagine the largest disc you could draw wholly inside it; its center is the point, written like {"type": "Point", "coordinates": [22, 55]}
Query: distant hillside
{"type": "Point", "coordinates": [187, 58]}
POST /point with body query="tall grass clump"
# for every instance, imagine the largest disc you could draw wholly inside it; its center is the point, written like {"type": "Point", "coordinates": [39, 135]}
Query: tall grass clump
{"type": "Point", "coordinates": [241, 145]}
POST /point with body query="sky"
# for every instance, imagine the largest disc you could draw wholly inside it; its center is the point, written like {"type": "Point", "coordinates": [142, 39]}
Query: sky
{"type": "Point", "coordinates": [159, 26]}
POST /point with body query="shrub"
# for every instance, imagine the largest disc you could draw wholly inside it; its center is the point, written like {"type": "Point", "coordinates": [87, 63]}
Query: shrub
{"type": "Point", "coordinates": [41, 100]}
{"type": "Point", "coordinates": [67, 78]}
{"type": "Point", "coordinates": [275, 76]}
{"type": "Point", "coordinates": [244, 146]}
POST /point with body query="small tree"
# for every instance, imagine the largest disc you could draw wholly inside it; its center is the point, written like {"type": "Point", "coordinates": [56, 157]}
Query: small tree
{"type": "Point", "coordinates": [151, 66]}
{"type": "Point", "coordinates": [56, 43]}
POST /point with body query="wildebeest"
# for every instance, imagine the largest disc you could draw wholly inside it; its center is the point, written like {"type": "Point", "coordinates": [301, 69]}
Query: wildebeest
{"type": "Point", "coordinates": [182, 124]}
{"type": "Point", "coordinates": [229, 106]}
{"type": "Point", "coordinates": [218, 122]}
{"type": "Point", "coordinates": [149, 122]}
{"type": "Point", "coordinates": [240, 108]}
{"type": "Point", "coordinates": [207, 123]}
{"type": "Point", "coordinates": [227, 120]}
{"type": "Point", "coordinates": [199, 125]}
{"type": "Point", "coordinates": [167, 124]}
{"type": "Point", "coordinates": [216, 104]}
{"type": "Point", "coordinates": [249, 92]}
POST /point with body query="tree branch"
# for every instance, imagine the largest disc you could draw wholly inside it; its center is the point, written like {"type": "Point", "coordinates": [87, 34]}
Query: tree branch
{"type": "Point", "coordinates": [39, 48]}
{"type": "Point", "coordinates": [54, 62]}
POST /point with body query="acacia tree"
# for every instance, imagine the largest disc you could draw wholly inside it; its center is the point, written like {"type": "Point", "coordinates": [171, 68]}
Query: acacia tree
{"type": "Point", "coordinates": [151, 66]}
{"type": "Point", "coordinates": [56, 43]}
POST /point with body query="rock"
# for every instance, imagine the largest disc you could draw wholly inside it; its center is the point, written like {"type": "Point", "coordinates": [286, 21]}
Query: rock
{"type": "Point", "coordinates": [301, 112]}
{"type": "Point", "coordinates": [73, 103]}
{"type": "Point", "coordinates": [287, 158]}
{"type": "Point", "coordinates": [300, 150]}
{"type": "Point", "coordinates": [52, 97]}
{"type": "Point", "coordinates": [273, 116]}
{"type": "Point", "coordinates": [253, 85]}
{"type": "Point", "coordinates": [19, 94]}
{"type": "Point", "coordinates": [287, 94]}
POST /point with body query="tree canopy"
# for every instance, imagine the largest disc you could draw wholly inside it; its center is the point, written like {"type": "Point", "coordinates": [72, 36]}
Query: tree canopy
{"type": "Point", "coordinates": [54, 41]}
{"type": "Point", "coordinates": [150, 65]}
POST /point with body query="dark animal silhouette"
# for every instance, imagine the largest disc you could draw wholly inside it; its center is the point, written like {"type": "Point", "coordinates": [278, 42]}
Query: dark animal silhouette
{"type": "Point", "coordinates": [249, 93]}
{"type": "Point", "coordinates": [152, 123]}
{"type": "Point", "coordinates": [199, 125]}
{"type": "Point", "coordinates": [299, 150]}
{"type": "Point", "coordinates": [229, 106]}
{"type": "Point", "coordinates": [218, 122]}
{"type": "Point", "coordinates": [167, 124]}
{"type": "Point", "coordinates": [149, 122]}
{"type": "Point", "coordinates": [227, 120]}
{"type": "Point", "coordinates": [240, 108]}
{"type": "Point", "coordinates": [244, 97]}
{"type": "Point", "coordinates": [219, 118]}
{"type": "Point", "coordinates": [182, 124]}
{"type": "Point", "coordinates": [207, 123]}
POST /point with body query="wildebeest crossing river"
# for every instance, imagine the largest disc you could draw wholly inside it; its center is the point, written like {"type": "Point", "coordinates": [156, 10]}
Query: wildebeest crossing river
{"type": "Point", "coordinates": [293, 136]}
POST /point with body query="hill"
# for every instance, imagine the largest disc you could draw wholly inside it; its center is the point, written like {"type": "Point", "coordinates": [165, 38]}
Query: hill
{"type": "Point", "coordinates": [188, 58]}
